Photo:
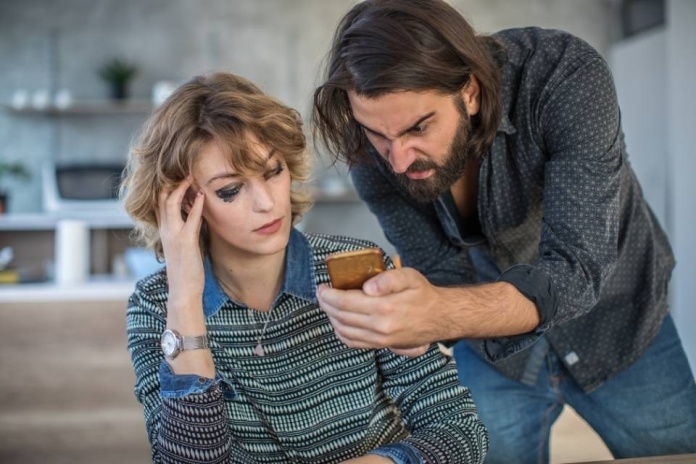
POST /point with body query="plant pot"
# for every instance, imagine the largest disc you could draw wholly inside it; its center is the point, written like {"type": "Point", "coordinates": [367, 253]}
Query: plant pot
{"type": "Point", "coordinates": [4, 201]}
{"type": "Point", "coordinates": [119, 90]}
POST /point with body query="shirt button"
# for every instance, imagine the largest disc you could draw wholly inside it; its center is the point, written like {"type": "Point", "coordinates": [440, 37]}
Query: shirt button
{"type": "Point", "coordinates": [201, 380]}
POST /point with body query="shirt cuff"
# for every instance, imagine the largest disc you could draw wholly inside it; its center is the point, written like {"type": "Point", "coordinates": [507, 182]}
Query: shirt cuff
{"type": "Point", "coordinates": [400, 453]}
{"type": "Point", "coordinates": [537, 287]}
{"type": "Point", "coordinates": [178, 386]}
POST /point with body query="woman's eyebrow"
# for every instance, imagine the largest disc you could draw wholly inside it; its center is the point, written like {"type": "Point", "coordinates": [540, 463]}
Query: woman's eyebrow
{"type": "Point", "coordinates": [231, 175]}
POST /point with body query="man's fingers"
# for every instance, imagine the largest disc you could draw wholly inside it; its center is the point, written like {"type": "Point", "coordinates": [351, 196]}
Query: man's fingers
{"type": "Point", "coordinates": [411, 352]}
{"type": "Point", "coordinates": [352, 301]}
{"type": "Point", "coordinates": [355, 337]}
{"type": "Point", "coordinates": [344, 316]}
{"type": "Point", "coordinates": [390, 281]}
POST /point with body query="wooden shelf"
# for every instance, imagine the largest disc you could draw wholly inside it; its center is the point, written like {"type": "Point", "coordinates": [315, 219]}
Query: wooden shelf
{"type": "Point", "coordinates": [89, 107]}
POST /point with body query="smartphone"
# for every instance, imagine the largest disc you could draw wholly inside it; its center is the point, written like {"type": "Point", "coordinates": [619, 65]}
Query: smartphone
{"type": "Point", "coordinates": [350, 269]}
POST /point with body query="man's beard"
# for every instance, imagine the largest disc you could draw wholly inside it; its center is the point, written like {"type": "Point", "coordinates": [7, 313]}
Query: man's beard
{"type": "Point", "coordinates": [458, 156]}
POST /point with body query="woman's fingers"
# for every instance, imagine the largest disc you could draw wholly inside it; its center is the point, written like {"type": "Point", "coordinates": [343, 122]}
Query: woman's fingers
{"type": "Point", "coordinates": [174, 200]}
{"type": "Point", "coordinates": [195, 215]}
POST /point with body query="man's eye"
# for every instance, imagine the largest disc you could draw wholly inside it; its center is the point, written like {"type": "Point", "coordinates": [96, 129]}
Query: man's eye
{"type": "Point", "coordinates": [419, 129]}
{"type": "Point", "coordinates": [228, 195]}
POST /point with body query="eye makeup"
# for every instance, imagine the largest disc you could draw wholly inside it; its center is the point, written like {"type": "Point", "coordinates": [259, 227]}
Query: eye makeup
{"type": "Point", "coordinates": [228, 194]}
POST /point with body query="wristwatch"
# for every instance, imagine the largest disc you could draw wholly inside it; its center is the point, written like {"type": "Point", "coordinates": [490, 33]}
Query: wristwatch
{"type": "Point", "coordinates": [172, 343]}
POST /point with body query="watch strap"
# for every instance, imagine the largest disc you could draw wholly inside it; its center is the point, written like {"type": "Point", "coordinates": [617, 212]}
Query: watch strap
{"type": "Point", "coordinates": [194, 342]}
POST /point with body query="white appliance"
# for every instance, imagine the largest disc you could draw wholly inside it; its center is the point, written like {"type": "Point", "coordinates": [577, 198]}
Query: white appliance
{"type": "Point", "coordinates": [86, 187]}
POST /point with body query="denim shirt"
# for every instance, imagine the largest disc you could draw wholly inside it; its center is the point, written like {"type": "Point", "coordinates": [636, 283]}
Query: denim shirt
{"type": "Point", "coordinates": [561, 212]}
{"type": "Point", "coordinates": [298, 282]}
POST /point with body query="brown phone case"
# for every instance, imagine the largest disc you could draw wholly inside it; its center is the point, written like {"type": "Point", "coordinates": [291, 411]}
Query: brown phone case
{"type": "Point", "coordinates": [349, 270]}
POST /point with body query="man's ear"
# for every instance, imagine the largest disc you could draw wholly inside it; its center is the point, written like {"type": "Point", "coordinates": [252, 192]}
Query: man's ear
{"type": "Point", "coordinates": [471, 94]}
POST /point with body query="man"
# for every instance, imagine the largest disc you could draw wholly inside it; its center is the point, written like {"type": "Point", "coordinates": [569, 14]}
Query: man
{"type": "Point", "coordinates": [497, 168]}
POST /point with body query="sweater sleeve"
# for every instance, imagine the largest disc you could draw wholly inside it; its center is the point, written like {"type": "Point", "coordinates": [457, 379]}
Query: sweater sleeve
{"type": "Point", "coordinates": [187, 428]}
{"type": "Point", "coordinates": [438, 412]}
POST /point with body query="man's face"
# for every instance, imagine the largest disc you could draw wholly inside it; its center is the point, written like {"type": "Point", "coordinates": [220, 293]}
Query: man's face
{"type": "Point", "coordinates": [423, 135]}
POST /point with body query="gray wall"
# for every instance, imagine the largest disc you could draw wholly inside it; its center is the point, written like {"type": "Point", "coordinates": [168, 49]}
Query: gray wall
{"type": "Point", "coordinates": [681, 97]}
{"type": "Point", "coordinates": [276, 43]}
{"type": "Point", "coordinates": [653, 77]}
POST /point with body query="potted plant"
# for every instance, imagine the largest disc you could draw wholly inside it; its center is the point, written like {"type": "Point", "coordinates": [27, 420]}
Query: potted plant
{"type": "Point", "coordinates": [10, 169]}
{"type": "Point", "coordinates": [118, 74]}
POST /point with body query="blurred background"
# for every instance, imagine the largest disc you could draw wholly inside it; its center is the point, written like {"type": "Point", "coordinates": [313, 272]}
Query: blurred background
{"type": "Point", "coordinates": [79, 77]}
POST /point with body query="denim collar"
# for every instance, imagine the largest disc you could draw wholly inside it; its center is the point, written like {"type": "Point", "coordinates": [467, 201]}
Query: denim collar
{"type": "Point", "coordinates": [298, 280]}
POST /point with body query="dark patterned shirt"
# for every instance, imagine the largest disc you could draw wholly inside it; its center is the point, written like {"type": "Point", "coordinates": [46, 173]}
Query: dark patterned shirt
{"type": "Point", "coordinates": [561, 214]}
{"type": "Point", "coordinates": [310, 398]}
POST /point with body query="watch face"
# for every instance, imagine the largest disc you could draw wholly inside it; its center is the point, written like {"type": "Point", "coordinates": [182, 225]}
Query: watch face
{"type": "Point", "coordinates": [168, 343]}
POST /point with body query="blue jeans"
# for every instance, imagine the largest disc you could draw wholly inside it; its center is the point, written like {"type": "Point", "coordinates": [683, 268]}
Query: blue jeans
{"type": "Point", "coordinates": [648, 409]}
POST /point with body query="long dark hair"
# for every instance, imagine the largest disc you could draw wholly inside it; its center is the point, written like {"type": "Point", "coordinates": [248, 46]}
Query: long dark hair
{"type": "Point", "coordinates": [385, 46]}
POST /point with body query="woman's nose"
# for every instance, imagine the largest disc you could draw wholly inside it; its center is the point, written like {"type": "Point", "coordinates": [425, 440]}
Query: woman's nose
{"type": "Point", "coordinates": [263, 197]}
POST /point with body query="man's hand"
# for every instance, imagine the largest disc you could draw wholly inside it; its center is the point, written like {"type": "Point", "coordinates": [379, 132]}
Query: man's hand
{"type": "Point", "coordinates": [401, 310]}
{"type": "Point", "coordinates": [395, 309]}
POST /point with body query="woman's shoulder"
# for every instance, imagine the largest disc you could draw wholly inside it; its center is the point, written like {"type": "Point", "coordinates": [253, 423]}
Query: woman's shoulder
{"type": "Point", "coordinates": [152, 290]}
{"type": "Point", "coordinates": [327, 244]}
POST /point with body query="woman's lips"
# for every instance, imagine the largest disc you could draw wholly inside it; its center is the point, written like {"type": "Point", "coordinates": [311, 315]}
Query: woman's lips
{"type": "Point", "coordinates": [270, 228]}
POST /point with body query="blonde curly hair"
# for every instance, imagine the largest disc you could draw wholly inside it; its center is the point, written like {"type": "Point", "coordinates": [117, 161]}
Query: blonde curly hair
{"type": "Point", "coordinates": [220, 107]}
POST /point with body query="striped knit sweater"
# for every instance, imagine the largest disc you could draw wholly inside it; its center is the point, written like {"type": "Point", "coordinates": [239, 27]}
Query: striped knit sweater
{"type": "Point", "coordinates": [310, 398]}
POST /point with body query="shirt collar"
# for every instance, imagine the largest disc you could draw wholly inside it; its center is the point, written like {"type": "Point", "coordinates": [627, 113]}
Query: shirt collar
{"type": "Point", "coordinates": [505, 125]}
{"type": "Point", "coordinates": [506, 71]}
{"type": "Point", "coordinates": [298, 280]}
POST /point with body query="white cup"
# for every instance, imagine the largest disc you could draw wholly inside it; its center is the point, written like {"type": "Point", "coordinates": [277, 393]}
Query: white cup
{"type": "Point", "coordinates": [20, 99]}
{"type": "Point", "coordinates": [63, 99]}
{"type": "Point", "coordinates": [72, 248]}
{"type": "Point", "coordinates": [41, 99]}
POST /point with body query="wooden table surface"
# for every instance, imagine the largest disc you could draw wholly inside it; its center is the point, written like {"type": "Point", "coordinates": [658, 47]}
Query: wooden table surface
{"type": "Point", "coordinates": [674, 459]}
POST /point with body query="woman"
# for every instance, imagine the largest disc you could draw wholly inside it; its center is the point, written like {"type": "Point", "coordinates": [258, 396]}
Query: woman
{"type": "Point", "coordinates": [234, 360]}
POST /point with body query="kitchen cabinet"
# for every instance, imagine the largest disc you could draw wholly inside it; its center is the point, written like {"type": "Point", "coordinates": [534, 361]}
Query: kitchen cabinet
{"type": "Point", "coordinates": [32, 237]}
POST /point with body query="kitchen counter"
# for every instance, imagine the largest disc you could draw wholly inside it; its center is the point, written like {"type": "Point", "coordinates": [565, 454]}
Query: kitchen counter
{"type": "Point", "coordinates": [98, 288]}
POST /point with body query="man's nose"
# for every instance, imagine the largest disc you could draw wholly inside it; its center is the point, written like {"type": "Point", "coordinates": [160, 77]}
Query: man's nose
{"type": "Point", "coordinates": [400, 156]}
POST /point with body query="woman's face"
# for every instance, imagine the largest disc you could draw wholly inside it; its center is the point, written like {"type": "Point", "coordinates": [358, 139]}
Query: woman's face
{"type": "Point", "coordinates": [246, 215]}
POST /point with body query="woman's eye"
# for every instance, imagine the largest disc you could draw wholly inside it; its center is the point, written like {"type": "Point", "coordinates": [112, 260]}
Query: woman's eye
{"type": "Point", "coordinates": [275, 171]}
{"type": "Point", "coordinates": [228, 195]}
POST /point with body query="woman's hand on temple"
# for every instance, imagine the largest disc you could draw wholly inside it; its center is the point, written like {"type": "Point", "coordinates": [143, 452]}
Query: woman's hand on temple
{"type": "Point", "coordinates": [180, 240]}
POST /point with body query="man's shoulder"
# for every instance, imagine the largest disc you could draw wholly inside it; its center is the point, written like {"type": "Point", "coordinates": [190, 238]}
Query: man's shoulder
{"type": "Point", "coordinates": [523, 43]}
{"type": "Point", "coordinates": [534, 35]}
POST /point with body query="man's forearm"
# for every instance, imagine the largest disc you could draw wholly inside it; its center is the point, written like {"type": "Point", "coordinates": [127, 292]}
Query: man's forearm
{"type": "Point", "coordinates": [483, 311]}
